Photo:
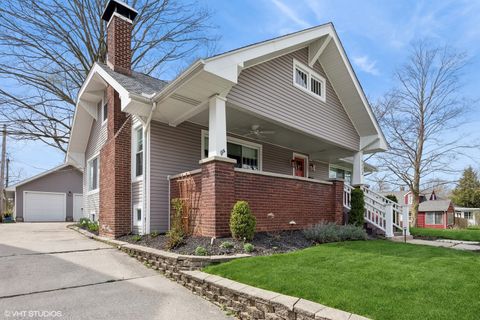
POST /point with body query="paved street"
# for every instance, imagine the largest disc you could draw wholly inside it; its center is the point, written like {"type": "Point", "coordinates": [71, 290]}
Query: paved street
{"type": "Point", "coordinates": [45, 267]}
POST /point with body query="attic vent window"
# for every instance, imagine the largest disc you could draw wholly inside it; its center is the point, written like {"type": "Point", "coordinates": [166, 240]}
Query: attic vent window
{"type": "Point", "coordinates": [308, 80]}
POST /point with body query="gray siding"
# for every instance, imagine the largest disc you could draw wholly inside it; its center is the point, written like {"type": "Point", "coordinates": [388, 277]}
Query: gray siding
{"type": "Point", "coordinates": [267, 89]}
{"type": "Point", "coordinates": [176, 150]}
{"type": "Point", "coordinates": [98, 136]}
{"type": "Point", "coordinates": [61, 181]}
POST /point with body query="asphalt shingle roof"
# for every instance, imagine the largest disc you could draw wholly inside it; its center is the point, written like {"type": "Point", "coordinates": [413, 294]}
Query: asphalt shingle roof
{"type": "Point", "coordinates": [138, 83]}
{"type": "Point", "coordinates": [434, 205]}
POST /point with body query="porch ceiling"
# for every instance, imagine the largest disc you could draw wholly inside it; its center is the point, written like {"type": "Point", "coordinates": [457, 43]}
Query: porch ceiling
{"type": "Point", "coordinates": [240, 123]}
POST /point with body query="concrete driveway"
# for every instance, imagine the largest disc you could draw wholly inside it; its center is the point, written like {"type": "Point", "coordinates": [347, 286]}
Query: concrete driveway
{"type": "Point", "coordinates": [49, 271]}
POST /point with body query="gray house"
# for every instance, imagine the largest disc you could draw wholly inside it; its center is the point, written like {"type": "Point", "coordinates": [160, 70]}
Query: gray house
{"type": "Point", "coordinates": [281, 123]}
{"type": "Point", "coordinates": [54, 195]}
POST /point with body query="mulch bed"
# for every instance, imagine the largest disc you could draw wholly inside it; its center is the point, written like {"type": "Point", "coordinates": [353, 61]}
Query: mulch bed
{"type": "Point", "coordinates": [264, 243]}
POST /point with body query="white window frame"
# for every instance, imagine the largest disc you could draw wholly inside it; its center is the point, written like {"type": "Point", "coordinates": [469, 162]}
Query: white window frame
{"type": "Point", "coordinates": [310, 73]}
{"type": "Point", "coordinates": [338, 167]}
{"type": "Point", "coordinates": [96, 156]}
{"type": "Point", "coordinates": [435, 213]}
{"type": "Point", "coordinates": [302, 156]}
{"type": "Point", "coordinates": [102, 111]}
{"type": "Point", "coordinates": [241, 142]}
{"type": "Point", "coordinates": [134, 153]}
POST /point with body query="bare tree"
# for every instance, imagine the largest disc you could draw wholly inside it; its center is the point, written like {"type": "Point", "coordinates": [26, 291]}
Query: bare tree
{"type": "Point", "coordinates": [419, 113]}
{"type": "Point", "coordinates": [47, 48]}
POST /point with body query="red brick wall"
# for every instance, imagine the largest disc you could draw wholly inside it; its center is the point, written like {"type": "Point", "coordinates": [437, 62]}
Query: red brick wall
{"type": "Point", "coordinates": [119, 41]}
{"type": "Point", "coordinates": [115, 172]}
{"type": "Point", "coordinates": [304, 202]}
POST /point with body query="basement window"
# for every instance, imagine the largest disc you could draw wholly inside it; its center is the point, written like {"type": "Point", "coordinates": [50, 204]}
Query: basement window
{"type": "Point", "coordinates": [308, 80]}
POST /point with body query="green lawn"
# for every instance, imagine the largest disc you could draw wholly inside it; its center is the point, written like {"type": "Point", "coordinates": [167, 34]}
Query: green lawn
{"type": "Point", "coordinates": [377, 279]}
{"type": "Point", "coordinates": [455, 234]}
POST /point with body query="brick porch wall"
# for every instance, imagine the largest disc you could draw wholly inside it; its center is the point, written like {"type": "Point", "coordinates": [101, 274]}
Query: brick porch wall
{"type": "Point", "coordinates": [288, 199]}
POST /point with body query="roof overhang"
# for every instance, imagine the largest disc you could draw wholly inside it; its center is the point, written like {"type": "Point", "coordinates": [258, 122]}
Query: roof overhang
{"type": "Point", "coordinates": [90, 94]}
{"type": "Point", "coordinates": [187, 96]}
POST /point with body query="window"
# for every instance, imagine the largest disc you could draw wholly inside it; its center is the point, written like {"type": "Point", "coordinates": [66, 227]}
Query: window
{"type": "Point", "coordinates": [340, 173]}
{"type": "Point", "coordinates": [308, 80]}
{"type": "Point", "coordinates": [93, 174]}
{"type": "Point", "coordinates": [467, 215]}
{"type": "Point", "coordinates": [247, 154]}
{"type": "Point", "coordinates": [138, 149]}
{"type": "Point", "coordinates": [434, 218]}
{"type": "Point", "coordinates": [104, 108]}
{"type": "Point", "coordinates": [138, 215]}
{"type": "Point", "coordinates": [410, 198]}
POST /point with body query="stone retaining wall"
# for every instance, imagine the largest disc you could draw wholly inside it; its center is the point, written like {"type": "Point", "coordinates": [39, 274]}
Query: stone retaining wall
{"type": "Point", "coordinates": [249, 302]}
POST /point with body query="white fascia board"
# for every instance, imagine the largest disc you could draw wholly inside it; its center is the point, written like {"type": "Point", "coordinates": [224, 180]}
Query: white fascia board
{"type": "Point", "coordinates": [21, 183]}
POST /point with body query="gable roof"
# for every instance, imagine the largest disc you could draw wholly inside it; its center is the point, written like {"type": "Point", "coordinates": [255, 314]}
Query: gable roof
{"type": "Point", "coordinates": [40, 175]}
{"type": "Point", "coordinates": [434, 205]}
{"type": "Point", "coordinates": [187, 94]}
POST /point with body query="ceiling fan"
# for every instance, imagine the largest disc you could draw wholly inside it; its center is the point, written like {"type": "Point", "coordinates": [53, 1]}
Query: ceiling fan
{"type": "Point", "coordinates": [256, 131]}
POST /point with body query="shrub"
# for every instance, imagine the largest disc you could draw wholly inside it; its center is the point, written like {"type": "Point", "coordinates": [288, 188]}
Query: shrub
{"type": "Point", "coordinates": [92, 226]}
{"type": "Point", "coordinates": [201, 251]}
{"type": "Point", "coordinates": [83, 222]}
{"type": "Point", "coordinates": [136, 238]}
{"type": "Point", "coordinates": [392, 197]}
{"type": "Point", "coordinates": [154, 234]}
{"type": "Point", "coordinates": [242, 221]}
{"type": "Point", "coordinates": [248, 247]}
{"type": "Point", "coordinates": [331, 232]}
{"type": "Point", "coordinates": [175, 236]}
{"type": "Point", "coordinates": [357, 210]}
{"type": "Point", "coordinates": [226, 245]}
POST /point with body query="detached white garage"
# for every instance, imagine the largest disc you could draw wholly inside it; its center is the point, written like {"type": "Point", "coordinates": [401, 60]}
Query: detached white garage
{"type": "Point", "coordinates": [54, 195]}
{"type": "Point", "coordinates": [44, 206]}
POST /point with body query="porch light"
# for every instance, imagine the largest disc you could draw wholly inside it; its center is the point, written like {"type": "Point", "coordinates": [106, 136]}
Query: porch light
{"type": "Point", "coordinates": [312, 166]}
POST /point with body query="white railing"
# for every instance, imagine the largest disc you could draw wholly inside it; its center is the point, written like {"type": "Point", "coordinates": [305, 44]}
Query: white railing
{"type": "Point", "coordinates": [380, 211]}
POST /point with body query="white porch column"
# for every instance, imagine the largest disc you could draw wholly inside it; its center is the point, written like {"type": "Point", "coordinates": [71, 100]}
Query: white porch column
{"type": "Point", "coordinates": [217, 127]}
{"type": "Point", "coordinates": [357, 174]}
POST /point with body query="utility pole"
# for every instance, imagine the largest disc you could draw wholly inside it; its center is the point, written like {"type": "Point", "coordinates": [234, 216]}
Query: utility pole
{"type": "Point", "coordinates": [7, 178]}
{"type": "Point", "coordinates": [2, 169]}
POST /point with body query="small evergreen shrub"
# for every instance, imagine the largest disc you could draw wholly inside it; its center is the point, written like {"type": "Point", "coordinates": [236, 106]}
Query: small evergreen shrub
{"type": "Point", "coordinates": [136, 238]}
{"type": "Point", "coordinates": [226, 245]}
{"type": "Point", "coordinates": [331, 232]}
{"type": "Point", "coordinates": [176, 236]}
{"type": "Point", "coordinates": [201, 251]}
{"type": "Point", "coordinates": [154, 234]}
{"type": "Point", "coordinates": [242, 221]}
{"type": "Point", "coordinates": [248, 247]}
{"type": "Point", "coordinates": [392, 197]}
{"type": "Point", "coordinates": [357, 210]}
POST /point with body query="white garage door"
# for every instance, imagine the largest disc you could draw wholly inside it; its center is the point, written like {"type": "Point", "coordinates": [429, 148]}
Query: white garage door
{"type": "Point", "coordinates": [44, 206]}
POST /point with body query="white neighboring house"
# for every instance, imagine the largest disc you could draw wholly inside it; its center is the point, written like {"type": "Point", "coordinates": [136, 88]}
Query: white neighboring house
{"type": "Point", "coordinates": [471, 214]}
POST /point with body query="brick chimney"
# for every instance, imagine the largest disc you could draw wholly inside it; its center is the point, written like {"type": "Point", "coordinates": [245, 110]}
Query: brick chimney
{"type": "Point", "coordinates": [115, 156]}
{"type": "Point", "coordinates": [119, 17]}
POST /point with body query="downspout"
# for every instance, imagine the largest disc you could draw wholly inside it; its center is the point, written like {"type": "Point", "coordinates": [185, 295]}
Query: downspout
{"type": "Point", "coordinates": [146, 167]}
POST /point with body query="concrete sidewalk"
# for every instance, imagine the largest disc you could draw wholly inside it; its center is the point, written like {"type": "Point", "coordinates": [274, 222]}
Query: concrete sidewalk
{"type": "Point", "coordinates": [47, 267]}
{"type": "Point", "coordinates": [446, 243]}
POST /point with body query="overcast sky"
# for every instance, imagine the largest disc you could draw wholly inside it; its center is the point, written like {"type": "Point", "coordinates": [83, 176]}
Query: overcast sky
{"type": "Point", "coordinates": [376, 36]}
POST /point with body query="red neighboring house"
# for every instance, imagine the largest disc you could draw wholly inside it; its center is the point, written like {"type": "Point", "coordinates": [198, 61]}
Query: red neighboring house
{"type": "Point", "coordinates": [438, 214]}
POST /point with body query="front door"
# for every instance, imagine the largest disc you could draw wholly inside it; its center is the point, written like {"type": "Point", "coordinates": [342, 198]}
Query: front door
{"type": "Point", "coordinates": [299, 167]}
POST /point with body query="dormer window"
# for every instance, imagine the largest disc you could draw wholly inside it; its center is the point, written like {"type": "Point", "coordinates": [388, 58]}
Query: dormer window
{"type": "Point", "coordinates": [308, 80]}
